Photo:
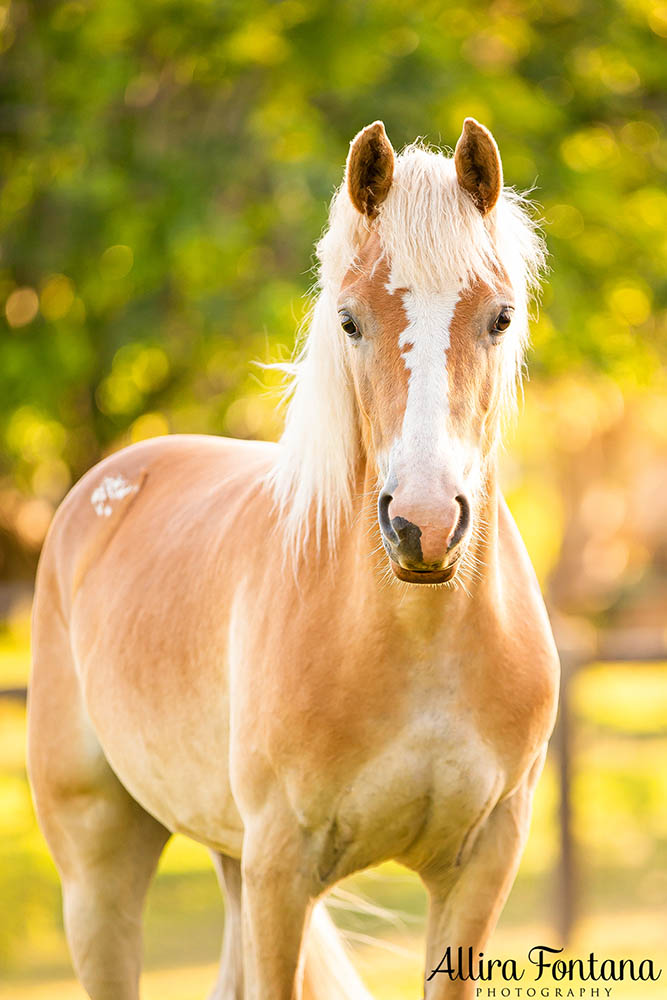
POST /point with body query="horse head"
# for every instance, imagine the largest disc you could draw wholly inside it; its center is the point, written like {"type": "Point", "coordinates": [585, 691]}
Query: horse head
{"type": "Point", "coordinates": [426, 310]}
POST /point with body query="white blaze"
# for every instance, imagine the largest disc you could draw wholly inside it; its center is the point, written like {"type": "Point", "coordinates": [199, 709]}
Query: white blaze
{"type": "Point", "coordinates": [424, 344]}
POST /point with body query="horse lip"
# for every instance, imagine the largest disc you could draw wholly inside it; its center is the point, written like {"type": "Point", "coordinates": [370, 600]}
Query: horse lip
{"type": "Point", "coordinates": [431, 576]}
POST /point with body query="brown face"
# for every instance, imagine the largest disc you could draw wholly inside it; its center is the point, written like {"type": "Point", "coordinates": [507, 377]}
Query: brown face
{"type": "Point", "coordinates": [428, 369]}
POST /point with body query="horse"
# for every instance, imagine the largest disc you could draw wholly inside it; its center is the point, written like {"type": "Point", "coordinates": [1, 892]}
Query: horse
{"type": "Point", "coordinates": [314, 655]}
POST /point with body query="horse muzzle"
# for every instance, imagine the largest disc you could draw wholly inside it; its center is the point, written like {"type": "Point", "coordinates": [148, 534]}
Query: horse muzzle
{"type": "Point", "coordinates": [424, 541]}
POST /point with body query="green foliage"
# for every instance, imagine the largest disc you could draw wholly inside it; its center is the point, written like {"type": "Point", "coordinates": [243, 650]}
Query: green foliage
{"type": "Point", "coordinates": [166, 166]}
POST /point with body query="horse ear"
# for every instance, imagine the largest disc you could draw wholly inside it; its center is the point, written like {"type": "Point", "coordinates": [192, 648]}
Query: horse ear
{"type": "Point", "coordinates": [478, 167]}
{"type": "Point", "coordinates": [370, 169]}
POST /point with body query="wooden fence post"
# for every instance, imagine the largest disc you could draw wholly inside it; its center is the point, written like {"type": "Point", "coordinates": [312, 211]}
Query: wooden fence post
{"type": "Point", "coordinates": [567, 869]}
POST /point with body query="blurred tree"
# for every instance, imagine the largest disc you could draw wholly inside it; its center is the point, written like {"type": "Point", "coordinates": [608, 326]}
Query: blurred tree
{"type": "Point", "coordinates": [166, 166]}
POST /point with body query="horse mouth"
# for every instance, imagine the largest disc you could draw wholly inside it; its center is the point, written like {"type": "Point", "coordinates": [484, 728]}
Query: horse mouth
{"type": "Point", "coordinates": [431, 576]}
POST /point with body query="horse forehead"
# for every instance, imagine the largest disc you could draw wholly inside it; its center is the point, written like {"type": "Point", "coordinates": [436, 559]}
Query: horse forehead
{"type": "Point", "coordinates": [371, 268]}
{"type": "Point", "coordinates": [369, 279]}
{"type": "Point", "coordinates": [397, 306]}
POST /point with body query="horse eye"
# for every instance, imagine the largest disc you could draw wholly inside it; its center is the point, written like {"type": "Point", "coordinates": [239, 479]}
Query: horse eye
{"type": "Point", "coordinates": [350, 327]}
{"type": "Point", "coordinates": [503, 320]}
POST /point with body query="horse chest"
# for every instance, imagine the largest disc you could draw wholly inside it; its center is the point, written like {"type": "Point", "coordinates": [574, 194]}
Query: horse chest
{"type": "Point", "coordinates": [409, 784]}
{"type": "Point", "coordinates": [389, 738]}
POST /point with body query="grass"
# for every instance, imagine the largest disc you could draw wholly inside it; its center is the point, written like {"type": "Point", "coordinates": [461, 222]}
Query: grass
{"type": "Point", "coordinates": [619, 793]}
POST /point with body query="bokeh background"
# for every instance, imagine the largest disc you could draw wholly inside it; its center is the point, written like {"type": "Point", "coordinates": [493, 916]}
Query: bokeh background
{"type": "Point", "coordinates": [165, 167]}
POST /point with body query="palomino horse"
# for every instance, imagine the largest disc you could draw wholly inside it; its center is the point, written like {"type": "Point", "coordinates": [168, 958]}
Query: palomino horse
{"type": "Point", "coordinates": [221, 648]}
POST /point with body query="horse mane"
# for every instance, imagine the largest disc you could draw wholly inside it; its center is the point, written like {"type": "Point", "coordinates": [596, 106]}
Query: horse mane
{"type": "Point", "coordinates": [433, 234]}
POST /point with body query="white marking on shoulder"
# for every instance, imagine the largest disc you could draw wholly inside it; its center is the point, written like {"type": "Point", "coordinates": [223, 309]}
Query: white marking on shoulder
{"type": "Point", "coordinates": [111, 488]}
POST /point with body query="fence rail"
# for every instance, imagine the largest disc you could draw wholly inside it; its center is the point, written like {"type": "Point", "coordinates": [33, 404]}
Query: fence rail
{"type": "Point", "coordinates": [14, 693]}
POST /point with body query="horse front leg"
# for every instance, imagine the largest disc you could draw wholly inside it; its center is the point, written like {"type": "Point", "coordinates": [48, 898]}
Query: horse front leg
{"type": "Point", "coordinates": [277, 894]}
{"type": "Point", "coordinates": [463, 910]}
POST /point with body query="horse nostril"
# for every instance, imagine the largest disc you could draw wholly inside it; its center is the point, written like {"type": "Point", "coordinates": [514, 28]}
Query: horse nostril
{"type": "Point", "coordinates": [384, 519]}
{"type": "Point", "coordinates": [462, 523]}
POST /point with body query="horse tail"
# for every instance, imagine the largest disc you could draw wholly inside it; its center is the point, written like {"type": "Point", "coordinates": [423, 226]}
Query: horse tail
{"type": "Point", "coordinates": [328, 972]}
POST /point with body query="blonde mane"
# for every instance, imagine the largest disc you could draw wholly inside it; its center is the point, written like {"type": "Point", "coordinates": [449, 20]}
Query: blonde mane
{"type": "Point", "coordinates": [433, 235]}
